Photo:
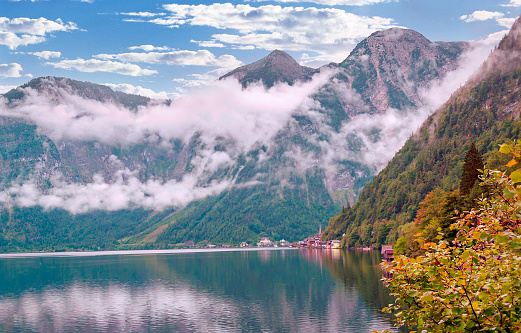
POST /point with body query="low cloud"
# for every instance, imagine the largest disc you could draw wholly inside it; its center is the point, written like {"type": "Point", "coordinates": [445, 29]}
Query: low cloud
{"type": "Point", "coordinates": [10, 70]}
{"type": "Point", "coordinates": [481, 15]}
{"type": "Point", "coordinates": [220, 109]}
{"type": "Point", "coordinates": [94, 65]}
{"type": "Point", "coordinates": [23, 31]}
{"type": "Point", "coordinates": [245, 117]}
{"type": "Point", "coordinates": [123, 193]}
{"type": "Point", "coordinates": [138, 90]}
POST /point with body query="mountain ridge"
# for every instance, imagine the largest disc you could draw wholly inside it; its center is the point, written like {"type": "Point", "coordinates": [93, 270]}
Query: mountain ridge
{"type": "Point", "coordinates": [283, 189]}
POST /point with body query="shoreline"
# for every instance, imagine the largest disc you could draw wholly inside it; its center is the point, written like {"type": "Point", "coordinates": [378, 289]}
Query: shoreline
{"type": "Point", "coordinates": [133, 252]}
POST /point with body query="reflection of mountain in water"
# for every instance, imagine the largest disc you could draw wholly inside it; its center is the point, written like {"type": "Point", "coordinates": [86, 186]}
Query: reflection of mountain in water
{"type": "Point", "coordinates": [216, 291]}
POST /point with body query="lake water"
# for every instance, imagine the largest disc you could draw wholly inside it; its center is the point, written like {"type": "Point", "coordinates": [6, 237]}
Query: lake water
{"type": "Point", "coordinates": [272, 290]}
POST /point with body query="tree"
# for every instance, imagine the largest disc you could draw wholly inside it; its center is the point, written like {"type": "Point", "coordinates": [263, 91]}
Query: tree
{"type": "Point", "coordinates": [474, 282]}
{"type": "Point", "coordinates": [470, 174]}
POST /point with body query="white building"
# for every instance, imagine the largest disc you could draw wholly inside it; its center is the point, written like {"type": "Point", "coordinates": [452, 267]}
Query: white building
{"type": "Point", "coordinates": [265, 241]}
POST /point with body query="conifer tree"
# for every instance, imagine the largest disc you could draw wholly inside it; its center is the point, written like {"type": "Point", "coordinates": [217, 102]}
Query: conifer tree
{"type": "Point", "coordinates": [469, 177]}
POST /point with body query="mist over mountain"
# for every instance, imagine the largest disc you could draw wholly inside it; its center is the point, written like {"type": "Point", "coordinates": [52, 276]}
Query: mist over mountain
{"type": "Point", "coordinates": [485, 111]}
{"type": "Point", "coordinates": [235, 159]}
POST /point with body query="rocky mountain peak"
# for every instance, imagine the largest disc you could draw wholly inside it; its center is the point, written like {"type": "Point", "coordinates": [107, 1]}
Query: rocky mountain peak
{"type": "Point", "coordinates": [276, 67]}
{"type": "Point", "coordinates": [390, 67]}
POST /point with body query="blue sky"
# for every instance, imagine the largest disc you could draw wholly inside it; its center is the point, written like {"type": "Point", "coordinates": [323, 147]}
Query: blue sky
{"type": "Point", "coordinates": [162, 48]}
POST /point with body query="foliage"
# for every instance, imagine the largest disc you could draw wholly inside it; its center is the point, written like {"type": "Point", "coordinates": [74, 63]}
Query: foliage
{"type": "Point", "coordinates": [36, 229]}
{"type": "Point", "coordinates": [436, 213]}
{"type": "Point", "coordinates": [474, 282]}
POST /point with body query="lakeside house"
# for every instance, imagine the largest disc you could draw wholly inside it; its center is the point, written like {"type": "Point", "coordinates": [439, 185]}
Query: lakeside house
{"type": "Point", "coordinates": [387, 253]}
{"type": "Point", "coordinates": [335, 244]}
{"type": "Point", "coordinates": [264, 242]}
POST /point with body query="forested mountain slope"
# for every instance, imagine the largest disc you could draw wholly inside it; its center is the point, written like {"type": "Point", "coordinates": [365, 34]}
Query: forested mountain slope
{"type": "Point", "coordinates": [485, 110]}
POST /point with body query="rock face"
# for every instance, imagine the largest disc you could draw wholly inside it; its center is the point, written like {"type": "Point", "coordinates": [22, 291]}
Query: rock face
{"type": "Point", "coordinates": [277, 67]}
{"type": "Point", "coordinates": [391, 68]}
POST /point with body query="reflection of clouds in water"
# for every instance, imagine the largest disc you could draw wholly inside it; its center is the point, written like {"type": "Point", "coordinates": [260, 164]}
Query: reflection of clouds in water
{"type": "Point", "coordinates": [165, 307]}
{"type": "Point", "coordinates": [118, 307]}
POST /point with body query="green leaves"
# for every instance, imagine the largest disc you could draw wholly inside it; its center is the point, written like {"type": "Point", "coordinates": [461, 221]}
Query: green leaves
{"type": "Point", "coordinates": [516, 176]}
{"type": "Point", "coordinates": [505, 148]}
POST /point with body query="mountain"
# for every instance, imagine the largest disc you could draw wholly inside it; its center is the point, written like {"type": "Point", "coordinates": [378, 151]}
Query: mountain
{"type": "Point", "coordinates": [59, 85]}
{"type": "Point", "coordinates": [277, 67]}
{"type": "Point", "coordinates": [484, 111]}
{"type": "Point", "coordinates": [283, 186]}
{"type": "Point", "coordinates": [391, 68]}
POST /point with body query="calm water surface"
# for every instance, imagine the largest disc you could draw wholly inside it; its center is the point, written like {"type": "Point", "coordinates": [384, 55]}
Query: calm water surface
{"type": "Point", "coordinates": [191, 291]}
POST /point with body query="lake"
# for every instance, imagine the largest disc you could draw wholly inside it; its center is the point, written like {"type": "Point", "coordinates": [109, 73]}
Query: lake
{"type": "Point", "coordinates": [254, 290]}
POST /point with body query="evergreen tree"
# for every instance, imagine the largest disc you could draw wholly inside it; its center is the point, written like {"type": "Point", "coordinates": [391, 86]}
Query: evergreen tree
{"type": "Point", "coordinates": [469, 177]}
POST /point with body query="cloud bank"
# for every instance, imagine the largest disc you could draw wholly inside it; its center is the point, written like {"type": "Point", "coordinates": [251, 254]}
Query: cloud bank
{"type": "Point", "coordinates": [223, 109]}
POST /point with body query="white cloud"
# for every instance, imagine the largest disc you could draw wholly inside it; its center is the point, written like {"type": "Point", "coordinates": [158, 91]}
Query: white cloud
{"type": "Point", "coordinates": [143, 14]}
{"type": "Point", "coordinates": [513, 3]}
{"type": "Point", "coordinates": [4, 89]}
{"type": "Point", "coordinates": [221, 109]}
{"type": "Point", "coordinates": [199, 80]}
{"type": "Point", "coordinates": [10, 70]}
{"type": "Point", "coordinates": [149, 48]}
{"type": "Point", "coordinates": [481, 15]}
{"type": "Point", "coordinates": [207, 43]}
{"type": "Point", "coordinates": [327, 31]}
{"type": "Point", "coordinates": [94, 65]}
{"type": "Point", "coordinates": [23, 31]}
{"type": "Point", "coordinates": [12, 41]}
{"type": "Point", "coordinates": [494, 38]}
{"type": "Point", "coordinates": [336, 2]}
{"type": "Point", "coordinates": [138, 90]}
{"type": "Point", "coordinates": [182, 57]}
{"type": "Point", "coordinates": [39, 27]}
{"type": "Point", "coordinates": [46, 54]}
{"type": "Point", "coordinates": [126, 191]}
{"type": "Point", "coordinates": [506, 22]}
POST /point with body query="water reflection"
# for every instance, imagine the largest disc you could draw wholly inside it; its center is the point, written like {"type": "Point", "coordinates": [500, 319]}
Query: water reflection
{"type": "Point", "coordinates": [260, 291]}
